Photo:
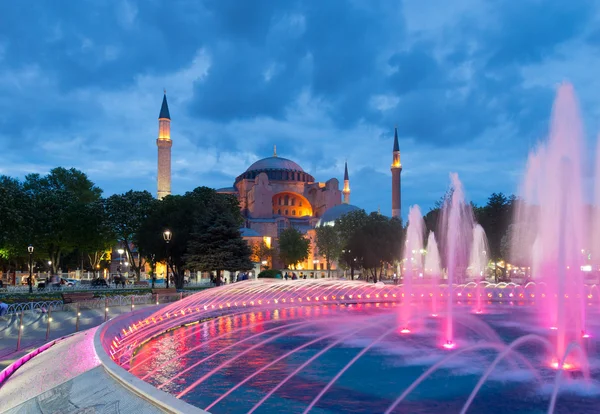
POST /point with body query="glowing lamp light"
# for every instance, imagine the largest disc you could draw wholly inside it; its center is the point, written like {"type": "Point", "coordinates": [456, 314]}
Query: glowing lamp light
{"type": "Point", "coordinates": [566, 366]}
{"type": "Point", "coordinates": [405, 331]}
{"type": "Point", "coordinates": [449, 344]}
{"type": "Point", "coordinates": [554, 328]}
{"type": "Point", "coordinates": [585, 335]}
{"type": "Point", "coordinates": [434, 315]}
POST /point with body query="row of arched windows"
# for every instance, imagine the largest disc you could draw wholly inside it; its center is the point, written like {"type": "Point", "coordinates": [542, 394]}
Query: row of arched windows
{"type": "Point", "coordinates": [278, 175]}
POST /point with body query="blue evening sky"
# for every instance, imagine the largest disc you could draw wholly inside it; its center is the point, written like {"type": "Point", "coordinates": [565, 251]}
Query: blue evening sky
{"type": "Point", "coordinates": [469, 83]}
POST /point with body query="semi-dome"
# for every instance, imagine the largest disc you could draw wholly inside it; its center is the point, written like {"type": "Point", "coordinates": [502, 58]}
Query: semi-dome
{"type": "Point", "coordinates": [332, 214]}
{"type": "Point", "coordinates": [275, 163]}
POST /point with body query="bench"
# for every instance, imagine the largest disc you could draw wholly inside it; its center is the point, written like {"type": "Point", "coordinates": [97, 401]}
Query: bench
{"type": "Point", "coordinates": [77, 297]}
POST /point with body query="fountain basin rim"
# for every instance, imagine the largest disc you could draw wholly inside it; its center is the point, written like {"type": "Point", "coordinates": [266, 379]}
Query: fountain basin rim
{"type": "Point", "coordinates": [144, 390]}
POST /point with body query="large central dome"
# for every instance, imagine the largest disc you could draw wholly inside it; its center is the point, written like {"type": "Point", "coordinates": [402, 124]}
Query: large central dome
{"type": "Point", "coordinates": [275, 163]}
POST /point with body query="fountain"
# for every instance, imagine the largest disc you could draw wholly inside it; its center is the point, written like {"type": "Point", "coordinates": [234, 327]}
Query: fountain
{"type": "Point", "coordinates": [457, 225]}
{"type": "Point", "coordinates": [552, 214]}
{"type": "Point", "coordinates": [413, 259]}
{"type": "Point", "coordinates": [334, 346]}
{"type": "Point", "coordinates": [478, 264]}
{"type": "Point", "coordinates": [433, 271]}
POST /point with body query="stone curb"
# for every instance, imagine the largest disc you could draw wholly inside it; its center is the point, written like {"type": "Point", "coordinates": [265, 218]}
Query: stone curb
{"type": "Point", "coordinates": [161, 399]}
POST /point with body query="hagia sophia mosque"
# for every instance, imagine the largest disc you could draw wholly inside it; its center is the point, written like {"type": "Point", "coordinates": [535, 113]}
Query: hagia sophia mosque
{"type": "Point", "coordinates": [276, 193]}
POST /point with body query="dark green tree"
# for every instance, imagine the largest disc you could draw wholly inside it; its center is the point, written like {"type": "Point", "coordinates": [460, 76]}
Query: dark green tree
{"type": "Point", "coordinates": [376, 243]}
{"type": "Point", "coordinates": [329, 243]}
{"type": "Point", "coordinates": [60, 204]}
{"type": "Point", "coordinates": [15, 221]}
{"type": "Point", "coordinates": [495, 218]}
{"type": "Point", "coordinates": [218, 247]}
{"type": "Point", "coordinates": [126, 213]}
{"type": "Point", "coordinates": [185, 216]}
{"type": "Point", "coordinates": [293, 247]}
{"type": "Point", "coordinates": [347, 226]}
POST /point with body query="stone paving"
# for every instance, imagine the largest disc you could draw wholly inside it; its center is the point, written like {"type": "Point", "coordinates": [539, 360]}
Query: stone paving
{"type": "Point", "coordinates": [35, 324]}
{"type": "Point", "coordinates": [68, 378]}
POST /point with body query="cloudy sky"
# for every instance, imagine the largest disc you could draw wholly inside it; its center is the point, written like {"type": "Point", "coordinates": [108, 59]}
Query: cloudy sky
{"type": "Point", "coordinates": [470, 84]}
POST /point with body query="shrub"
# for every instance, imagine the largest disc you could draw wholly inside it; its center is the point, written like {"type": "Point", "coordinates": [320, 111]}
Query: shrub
{"type": "Point", "coordinates": [270, 274]}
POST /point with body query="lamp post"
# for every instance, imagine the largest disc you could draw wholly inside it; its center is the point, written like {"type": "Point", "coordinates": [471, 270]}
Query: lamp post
{"type": "Point", "coordinates": [30, 280]}
{"type": "Point", "coordinates": [167, 237]}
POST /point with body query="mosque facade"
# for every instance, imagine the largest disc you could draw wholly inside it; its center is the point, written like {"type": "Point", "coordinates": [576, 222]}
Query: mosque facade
{"type": "Point", "coordinates": [276, 193]}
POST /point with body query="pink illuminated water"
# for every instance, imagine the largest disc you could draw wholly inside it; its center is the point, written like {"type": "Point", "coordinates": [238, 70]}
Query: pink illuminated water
{"type": "Point", "coordinates": [457, 225]}
{"type": "Point", "coordinates": [433, 271]}
{"type": "Point", "coordinates": [550, 223]}
{"type": "Point", "coordinates": [413, 262]}
{"type": "Point", "coordinates": [478, 263]}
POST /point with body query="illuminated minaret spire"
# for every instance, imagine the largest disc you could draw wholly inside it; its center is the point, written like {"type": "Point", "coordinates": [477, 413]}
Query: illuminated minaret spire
{"type": "Point", "coordinates": [346, 190]}
{"type": "Point", "coordinates": [164, 145]}
{"type": "Point", "coordinates": [396, 184]}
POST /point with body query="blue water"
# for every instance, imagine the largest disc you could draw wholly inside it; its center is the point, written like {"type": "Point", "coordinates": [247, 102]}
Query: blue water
{"type": "Point", "coordinates": [373, 383]}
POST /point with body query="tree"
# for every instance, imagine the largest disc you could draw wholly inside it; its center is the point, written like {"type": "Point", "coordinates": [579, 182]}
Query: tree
{"type": "Point", "coordinates": [60, 204]}
{"type": "Point", "coordinates": [186, 216]}
{"type": "Point", "coordinates": [126, 213]}
{"type": "Point", "coordinates": [261, 252]}
{"type": "Point", "coordinates": [220, 247]}
{"type": "Point", "coordinates": [347, 226]}
{"type": "Point", "coordinates": [293, 247]}
{"type": "Point", "coordinates": [15, 220]}
{"type": "Point", "coordinates": [329, 244]}
{"type": "Point", "coordinates": [377, 242]}
{"type": "Point", "coordinates": [495, 218]}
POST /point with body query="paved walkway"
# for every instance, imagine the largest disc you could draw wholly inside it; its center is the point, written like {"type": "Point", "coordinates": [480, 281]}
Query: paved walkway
{"type": "Point", "coordinates": [68, 378]}
{"type": "Point", "coordinates": [35, 325]}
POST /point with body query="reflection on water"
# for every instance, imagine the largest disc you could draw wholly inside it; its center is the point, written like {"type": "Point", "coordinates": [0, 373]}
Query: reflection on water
{"type": "Point", "coordinates": [374, 381]}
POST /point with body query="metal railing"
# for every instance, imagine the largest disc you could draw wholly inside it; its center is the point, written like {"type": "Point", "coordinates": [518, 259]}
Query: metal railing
{"type": "Point", "coordinates": [86, 287]}
{"type": "Point", "coordinates": [33, 323]}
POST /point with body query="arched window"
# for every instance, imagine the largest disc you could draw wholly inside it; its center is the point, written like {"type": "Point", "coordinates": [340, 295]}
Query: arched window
{"type": "Point", "coordinates": [293, 201]}
{"type": "Point", "coordinates": [280, 201]}
{"type": "Point", "coordinates": [286, 212]}
{"type": "Point", "coordinates": [287, 200]}
{"type": "Point", "coordinates": [300, 204]}
{"type": "Point", "coordinates": [278, 211]}
{"type": "Point", "coordinates": [293, 212]}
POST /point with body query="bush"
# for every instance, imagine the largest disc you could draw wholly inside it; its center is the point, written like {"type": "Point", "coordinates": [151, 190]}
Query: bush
{"type": "Point", "coordinates": [270, 274]}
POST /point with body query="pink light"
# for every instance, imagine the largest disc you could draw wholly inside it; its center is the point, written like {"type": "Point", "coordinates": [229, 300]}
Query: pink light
{"type": "Point", "coordinates": [449, 345]}
{"type": "Point", "coordinates": [566, 366]}
{"type": "Point", "coordinates": [434, 315]}
{"type": "Point", "coordinates": [479, 311]}
{"type": "Point", "coordinates": [554, 328]}
{"type": "Point", "coordinates": [405, 331]}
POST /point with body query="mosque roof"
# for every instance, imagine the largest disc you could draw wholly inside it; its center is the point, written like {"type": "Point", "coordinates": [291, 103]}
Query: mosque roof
{"type": "Point", "coordinates": [164, 109]}
{"type": "Point", "coordinates": [247, 232]}
{"type": "Point", "coordinates": [332, 214]}
{"type": "Point", "coordinates": [275, 163]}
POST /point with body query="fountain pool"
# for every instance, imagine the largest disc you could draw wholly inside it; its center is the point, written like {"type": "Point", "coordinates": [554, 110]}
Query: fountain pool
{"type": "Point", "coordinates": [304, 347]}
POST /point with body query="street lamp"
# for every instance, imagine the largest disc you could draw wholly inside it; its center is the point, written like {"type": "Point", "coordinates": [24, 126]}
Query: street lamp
{"type": "Point", "coordinates": [30, 280]}
{"type": "Point", "coordinates": [167, 237]}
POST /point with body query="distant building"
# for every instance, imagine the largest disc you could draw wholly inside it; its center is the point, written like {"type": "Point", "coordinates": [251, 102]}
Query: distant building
{"type": "Point", "coordinates": [275, 193]}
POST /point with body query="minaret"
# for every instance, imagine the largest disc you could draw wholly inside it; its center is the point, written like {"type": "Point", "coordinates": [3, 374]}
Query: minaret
{"type": "Point", "coordinates": [164, 145]}
{"type": "Point", "coordinates": [346, 190]}
{"type": "Point", "coordinates": [396, 170]}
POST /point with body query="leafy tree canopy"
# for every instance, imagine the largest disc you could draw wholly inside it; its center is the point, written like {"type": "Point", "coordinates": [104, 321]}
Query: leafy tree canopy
{"type": "Point", "coordinates": [293, 246]}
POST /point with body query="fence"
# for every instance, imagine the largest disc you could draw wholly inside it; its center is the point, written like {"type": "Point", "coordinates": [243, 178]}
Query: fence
{"type": "Point", "coordinates": [33, 323]}
{"type": "Point", "coordinates": [84, 287]}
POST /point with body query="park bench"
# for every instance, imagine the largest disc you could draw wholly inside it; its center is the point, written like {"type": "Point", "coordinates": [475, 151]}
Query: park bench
{"type": "Point", "coordinates": [77, 297]}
